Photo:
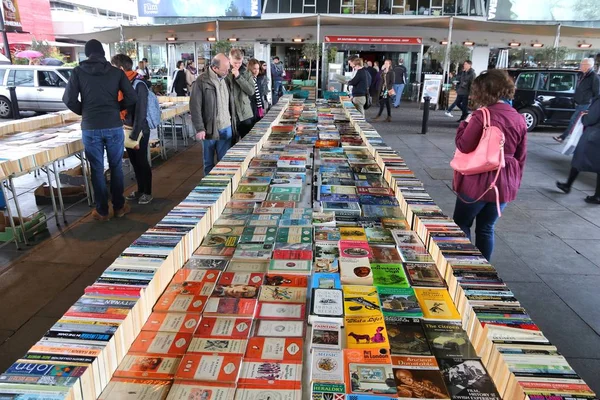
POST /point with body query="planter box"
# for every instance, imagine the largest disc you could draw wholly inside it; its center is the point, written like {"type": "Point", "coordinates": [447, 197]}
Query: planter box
{"type": "Point", "coordinates": [7, 233]}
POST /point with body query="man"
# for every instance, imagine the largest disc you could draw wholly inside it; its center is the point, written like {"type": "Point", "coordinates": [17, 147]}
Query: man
{"type": "Point", "coordinates": [243, 89]}
{"type": "Point", "coordinates": [277, 74]}
{"type": "Point", "coordinates": [360, 85]}
{"type": "Point", "coordinates": [372, 71]}
{"type": "Point", "coordinates": [462, 91]}
{"type": "Point", "coordinates": [400, 81]}
{"type": "Point", "coordinates": [588, 87]}
{"type": "Point", "coordinates": [98, 83]}
{"type": "Point", "coordinates": [213, 111]}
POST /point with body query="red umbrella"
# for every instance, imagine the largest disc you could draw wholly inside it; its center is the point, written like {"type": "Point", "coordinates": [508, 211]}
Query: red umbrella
{"type": "Point", "coordinates": [29, 54]}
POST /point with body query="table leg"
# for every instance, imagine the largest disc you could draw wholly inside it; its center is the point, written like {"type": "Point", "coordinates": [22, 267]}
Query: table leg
{"type": "Point", "coordinates": [10, 217]}
{"type": "Point", "coordinates": [174, 133]}
{"type": "Point", "coordinates": [16, 200]}
{"type": "Point", "coordinates": [88, 190]}
{"type": "Point", "coordinates": [52, 195]}
{"type": "Point", "coordinates": [184, 130]}
{"type": "Point", "coordinates": [60, 199]}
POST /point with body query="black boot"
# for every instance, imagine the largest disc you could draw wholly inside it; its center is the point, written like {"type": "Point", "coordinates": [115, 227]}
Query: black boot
{"type": "Point", "coordinates": [564, 187]}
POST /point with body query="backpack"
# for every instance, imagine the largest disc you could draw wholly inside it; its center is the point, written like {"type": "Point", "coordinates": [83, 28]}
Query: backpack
{"type": "Point", "coordinates": [487, 157]}
{"type": "Point", "coordinates": [153, 110]}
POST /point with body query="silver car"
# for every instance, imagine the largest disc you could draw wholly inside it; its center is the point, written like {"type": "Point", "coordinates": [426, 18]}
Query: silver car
{"type": "Point", "coordinates": [38, 88]}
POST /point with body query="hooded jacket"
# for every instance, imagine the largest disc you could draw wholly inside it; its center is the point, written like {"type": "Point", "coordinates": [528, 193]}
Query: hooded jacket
{"type": "Point", "coordinates": [93, 91]}
{"type": "Point", "coordinates": [243, 90]}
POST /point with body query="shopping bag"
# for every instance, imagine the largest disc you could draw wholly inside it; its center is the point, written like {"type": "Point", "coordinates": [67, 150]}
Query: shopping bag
{"type": "Point", "coordinates": [573, 138]}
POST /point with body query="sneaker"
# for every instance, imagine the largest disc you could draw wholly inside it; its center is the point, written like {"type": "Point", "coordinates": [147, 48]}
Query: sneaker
{"type": "Point", "coordinates": [564, 187]}
{"type": "Point", "coordinates": [145, 199]}
{"type": "Point", "coordinates": [122, 211]}
{"type": "Point", "coordinates": [388, 119]}
{"type": "Point", "coordinates": [133, 196]}
{"type": "Point", "coordinates": [592, 200]}
{"type": "Point", "coordinates": [99, 217]}
{"type": "Point", "coordinates": [448, 114]}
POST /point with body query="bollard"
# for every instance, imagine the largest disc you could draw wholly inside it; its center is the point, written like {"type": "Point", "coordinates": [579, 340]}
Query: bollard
{"type": "Point", "coordinates": [14, 102]}
{"type": "Point", "coordinates": [427, 100]}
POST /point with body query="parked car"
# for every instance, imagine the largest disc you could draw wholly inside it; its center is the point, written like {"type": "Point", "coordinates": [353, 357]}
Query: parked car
{"type": "Point", "coordinates": [545, 96]}
{"type": "Point", "coordinates": [38, 88]}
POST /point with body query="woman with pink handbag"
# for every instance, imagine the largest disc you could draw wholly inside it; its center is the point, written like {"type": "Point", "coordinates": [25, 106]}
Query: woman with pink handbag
{"type": "Point", "coordinates": [490, 158]}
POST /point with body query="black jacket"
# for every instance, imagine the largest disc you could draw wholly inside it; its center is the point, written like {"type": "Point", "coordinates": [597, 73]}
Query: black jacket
{"type": "Point", "coordinates": [180, 83]}
{"type": "Point", "coordinates": [98, 83]}
{"type": "Point", "coordinates": [464, 85]}
{"type": "Point", "coordinates": [360, 83]}
{"type": "Point", "coordinates": [588, 88]}
{"type": "Point", "coordinates": [400, 72]}
{"type": "Point", "coordinates": [136, 114]}
{"type": "Point", "coordinates": [586, 156]}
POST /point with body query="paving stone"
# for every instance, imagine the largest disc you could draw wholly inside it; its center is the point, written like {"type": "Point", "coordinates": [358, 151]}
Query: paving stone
{"type": "Point", "coordinates": [566, 224]}
{"type": "Point", "coordinates": [532, 199]}
{"type": "Point", "coordinates": [440, 173]}
{"type": "Point", "coordinates": [590, 249]}
{"type": "Point", "coordinates": [18, 344]}
{"type": "Point", "coordinates": [509, 265]}
{"type": "Point", "coordinates": [5, 334]}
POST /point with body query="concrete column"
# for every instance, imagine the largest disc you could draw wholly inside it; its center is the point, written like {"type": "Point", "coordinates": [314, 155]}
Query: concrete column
{"type": "Point", "coordinates": [480, 58]}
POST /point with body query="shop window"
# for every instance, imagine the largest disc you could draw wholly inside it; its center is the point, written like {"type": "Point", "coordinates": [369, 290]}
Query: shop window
{"type": "Point", "coordinates": [285, 6]}
{"type": "Point", "coordinates": [526, 80]}
{"type": "Point", "coordinates": [297, 6]}
{"type": "Point", "coordinates": [322, 6]}
{"type": "Point", "coordinates": [271, 6]}
{"type": "Point", "coordinates": [449, 7]}
{"type": "Point", "coordinates": [334, 6]}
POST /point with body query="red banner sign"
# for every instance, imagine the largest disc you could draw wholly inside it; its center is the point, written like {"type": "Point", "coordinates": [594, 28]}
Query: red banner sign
{"type": "Point", "coordinates": [374, 40]}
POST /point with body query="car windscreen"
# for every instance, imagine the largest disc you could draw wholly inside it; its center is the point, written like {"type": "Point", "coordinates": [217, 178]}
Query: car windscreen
{"type": "Point", "coordinates": [66, 72]}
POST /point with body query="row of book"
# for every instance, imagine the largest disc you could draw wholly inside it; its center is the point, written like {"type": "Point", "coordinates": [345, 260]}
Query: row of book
{"type": "Point", "coordinates": [519, 358]}
{"type": "Point", "coordinates": [77, 357]}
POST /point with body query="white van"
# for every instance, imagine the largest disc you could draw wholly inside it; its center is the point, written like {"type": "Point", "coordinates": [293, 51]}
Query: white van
{"type": "Point", "coordinates": [39, 88]}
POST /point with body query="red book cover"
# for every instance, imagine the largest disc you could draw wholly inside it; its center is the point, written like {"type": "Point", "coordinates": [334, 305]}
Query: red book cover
{"type": "Point", "coordinates": [230, 307]}
{"type": "Point", "coordinates": [353, 249]}
{"type": "Point", "coordinates": [284, 280]}
{"type": "Point", "coordinates": [293, 251]}
{"type": "Point", "coordinates": [273, 375]}
{"type": "Point", "coordinates": [224, 327]}
{"type": "Point", "coordinates": [113, 290]}
{"type": "Point", "coordinates": [275, 349]}
{"type": "Point", "coordinates": [172, 322]}
{"type": "Point", "coordinates": [161, 343]}
{"type": "Point", "coordinates": [375, 191]}
{"type": "Point", "coordinates": [181, 303]}
{"type": "Point", "coordinates": [241, 278]}
{"type": "Point", "coordinates": [148, 366]}
{"type": "Point", "coordinates": [209, 368]}
{"type": "Point", "coordinates": [196, 275]}
{"type": "Point", "coordinates": [195, 288]}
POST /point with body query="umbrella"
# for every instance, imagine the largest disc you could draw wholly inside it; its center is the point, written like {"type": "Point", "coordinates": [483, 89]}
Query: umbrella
{"type": "Point", "coordinates": [52, 61]}
{"type": "Point", "coordinates": [28, 54]}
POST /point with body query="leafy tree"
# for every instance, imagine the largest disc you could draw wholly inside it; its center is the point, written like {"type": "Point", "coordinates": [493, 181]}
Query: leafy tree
{"type": "Point", "coordinates": [232, 10]}
{"type": "Point", "coordinates": [550, 56]}
{"type": "Point", "coordinates": [46, 49]}
{"type": "Point", "coordinates": [221, 46]}
{"type": "Point", "coordinates": [310, 51]}
{"type": "Point", "coordinates": [332, 54]}
{"type": "Point", "coordinates": [458, 53]}
{"type": "Point", "coordinates": [127, 48]}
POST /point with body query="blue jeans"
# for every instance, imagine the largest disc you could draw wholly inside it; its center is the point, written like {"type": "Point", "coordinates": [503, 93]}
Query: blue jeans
{"type": "Point", "coordinates": [94, 142]}
{"type": "Point", "coordinates": [398, 88]}
{"type": "Point", "coordinates": [220, 146]}
{"type": "Point", "coordinates": [578, 110]}
{"type": "Point", "coordinates": [277, 85]}
{"type": "Point", "coordinates": [486, 214]}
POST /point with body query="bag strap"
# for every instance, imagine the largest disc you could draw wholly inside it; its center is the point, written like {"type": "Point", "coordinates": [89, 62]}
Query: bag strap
{"type": "Point", "coordinates": [487, 120]}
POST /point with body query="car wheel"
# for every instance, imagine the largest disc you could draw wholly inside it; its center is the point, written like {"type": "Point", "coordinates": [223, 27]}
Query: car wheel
{"type": "Point", "coordinates": [5, 108]}
{"type": "Point", "coordinates": [530, 118]}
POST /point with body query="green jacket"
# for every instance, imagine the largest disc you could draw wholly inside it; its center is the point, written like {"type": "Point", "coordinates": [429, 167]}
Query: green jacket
{"type": "Point", "coordinates": [243, 88]}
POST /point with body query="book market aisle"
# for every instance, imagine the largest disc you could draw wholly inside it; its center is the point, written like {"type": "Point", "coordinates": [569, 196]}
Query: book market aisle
{"type": "Point", "coordinates": [392, 312]}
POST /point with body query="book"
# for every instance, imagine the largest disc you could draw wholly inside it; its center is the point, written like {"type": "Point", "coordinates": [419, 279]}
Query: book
{"type": "Point", "coordinates": [285, 280]}
{"type": "Point", "coordinates": [368, 371]}
{"type": "Point", "coordinates": [275, 349]}
{"type": "Point", "coordinates": [360, 300]}
{"type": "Point", "coordinates": [281, 311]}
{"type": "Point", "coordinates": [326, 335]}
{"type": "Point", "coordinates": [282, 294]}
{"type": "Point", "coordinates": [214, 345]}
{"type": "Point", "coordinates": [355, 271]}
{"type": "Point", "coordinates": [135, 389]}
{"type": "Point", "coordinates": [148, 366]}
{"type": "Point", "coordinates": [423, 275]}
{"type": "Point", "coordinates": [166, 343]}
{"type": "Point", "coordinates": [385, 254]}
{"type": "Point", "coordinates": [302, 267]}
{"type": "Point", "coordinates": [379, 237]}
{"type": "Point", "coordinates": [272, 328]}
{"type": "Point", "coordinates": [326, 305]}
{"type": "Point", "coordinates": [294, 235]}
{"type": "Point", "coordinates": [224, 327]}
{"type": "Point", "coordinates": [420, 383]}
{"type": "Point", "coordinates": [327, 391]}
{"type": "Point", "coordinates": [448, 340]}
{"type": "Point", "coordinates": [190, 390]}
{"type": "Point", "coordinates": [354, 249]}
{"type": "Point", "coordinates": [209, 368]}
{"type": "Point", "coordinates": [230, 307]}
{"type": "Point", "coordinates": [467, 379]}
{"type": "Point", "coordinates": [353, 234]}
{"type": "Point", "coordinates": [399, 302]}
{"type": "Point", "coordinates": [437, 304]}
{"type": "Point", "coordinates": [327, 366]}
{"type": "Point", "coordinates": [406, 336]}
{"type": "Point", "coordinates": [391, 275]}
{"type": "Point", "coordinates": [323, 280]}
{"type": "Point", "coordinates": [172, 322]}
{"type": "Point", "coordinates": [228, 278]}
{"type": "Point", "coordinates": [275, 375]}
{"type": "Point", "coordinates": [250, 392]}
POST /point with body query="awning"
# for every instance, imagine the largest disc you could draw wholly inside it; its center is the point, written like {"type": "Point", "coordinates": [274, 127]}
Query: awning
{"type": "Point", "coordinates": [50, 42]}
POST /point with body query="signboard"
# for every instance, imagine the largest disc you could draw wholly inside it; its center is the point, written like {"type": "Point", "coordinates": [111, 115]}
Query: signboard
{"type": "Point", "coordinates": [12, 18]}
{"type": "Point", "coordinates": [543, 10]}
{"type": "Point", "coordinates": [199, 8]}
{"type": "Point", "coordinates": [431, 87]}
{"type": "Point", "coordinates": [374, 40]}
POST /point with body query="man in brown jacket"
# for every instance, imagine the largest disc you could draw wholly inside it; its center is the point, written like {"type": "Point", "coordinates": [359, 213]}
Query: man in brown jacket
{"type": "Point", "coordinates": [213, 111]}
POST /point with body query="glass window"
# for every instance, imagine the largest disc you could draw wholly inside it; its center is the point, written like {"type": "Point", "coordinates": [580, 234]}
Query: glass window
{"type": "Point", "coordinates": [2, 74]}
{"type": "Point", "coordinates": [297, 6]}
{"type": "Point", "coordinates": [49, 79]}
{"type": "Point", "coordinates": [526, 80]}
{"type": "Point", "coordinates": [334, 6]}
{"type": "Point", "coordinates": [285, 6]}
{"type": "Point", "coordinates": [65, 72]}
{"type": "Point", "coordinates": [543, 81]}
{"type": "Point", "coordinates": [322, 6]}
{"type": "Point", "coordinates": [562, 82]}
{"type": "Point", "coordinates": [20, 78]}
{"type": "Point", "coordinates": [449, 7]}
{"type": "Point", "coordinates": [271, 6]}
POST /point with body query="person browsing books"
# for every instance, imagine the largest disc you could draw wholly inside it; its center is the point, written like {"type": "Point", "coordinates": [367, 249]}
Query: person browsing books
{"type": "Point", "coordinates": [213, 111]}
{"type": "Point", "coordinates": [493, 89]}
{"type": "Point", "coordinates": [360, 85]}
{"type": "Point", "coordinates": [134, 117]}
{"type": "Point", "coordinates": [243, 88]}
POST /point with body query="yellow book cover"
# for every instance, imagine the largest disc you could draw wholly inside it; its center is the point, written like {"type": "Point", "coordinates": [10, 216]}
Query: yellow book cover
{"type": "Point", "coordinates": [436, 304]}
{"type": "Point", "coordinates": [354, 233]}
{"type": "Point", "coordinates": [360, 300]}
{"type": "Point", "coordinates": [366, 332]}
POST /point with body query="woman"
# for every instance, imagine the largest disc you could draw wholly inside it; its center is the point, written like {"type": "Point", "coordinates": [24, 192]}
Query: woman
{"type": "Point", "coordinates": [191, 73]}
{"type": "Point", "coordinates": [141, 69]}
{"type": "Point", "coordinates": [493, 89]}
{"type": "Point", "coordinates": [385, 90]}
{"type": "Point", "coordinates": [258, 106]}
{"type": "Point", "coordinates": [586, 153]}
{"type": "Point", "coordinates": [263, 82]}
{"type": "Point", "coordinates": [179, 81]}
{"type": "Point", "coordinates": [360, 85]}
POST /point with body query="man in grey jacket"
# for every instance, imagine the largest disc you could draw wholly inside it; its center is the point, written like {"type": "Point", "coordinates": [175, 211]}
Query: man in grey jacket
{"type": "Point", "coordinates": [212, 107]}
{"type": "Point", "coordinates": [463, 88]}
{"type": "Point", "coordinates": [243, 88]}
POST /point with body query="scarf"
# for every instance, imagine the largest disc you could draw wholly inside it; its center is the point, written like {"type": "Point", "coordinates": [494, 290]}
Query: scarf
{"type": "Point", "coordinates": [131, 75]}
{"type": "Point", "coordinates": [193, 70]}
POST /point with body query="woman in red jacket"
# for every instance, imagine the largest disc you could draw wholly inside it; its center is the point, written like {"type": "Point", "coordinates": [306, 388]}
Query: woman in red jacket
{"type": "Point", "coordinates": [493, 89]}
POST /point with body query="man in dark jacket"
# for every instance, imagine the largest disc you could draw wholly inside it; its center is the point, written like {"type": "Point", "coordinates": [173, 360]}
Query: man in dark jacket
{"type": "Point", "coordinates": [400, 81]}
{"type": "Point", "coordinates": [462, 91]}
{"type": "Point", "coordinates": [360, 85]}
{"type": "Point", "coordinates": [277, 74]}
{"type": "Point", "coordinates": [212, 107]}
{"type": "Point", "coordinates": [243, 90]}
{"type": "Point", "coordinates": [98, 83]}
{"type": "Point", "coordinates": [587, 89]}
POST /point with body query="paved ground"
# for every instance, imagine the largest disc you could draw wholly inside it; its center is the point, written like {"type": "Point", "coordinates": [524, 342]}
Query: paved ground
{"type": "Point", "coordinates": [547, 243]}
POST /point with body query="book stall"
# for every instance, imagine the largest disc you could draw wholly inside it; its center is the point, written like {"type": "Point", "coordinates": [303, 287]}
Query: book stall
{"type": "Point", "coordinates": [309, 264]}
{"type": "Point", "coordinates": [40, 143]}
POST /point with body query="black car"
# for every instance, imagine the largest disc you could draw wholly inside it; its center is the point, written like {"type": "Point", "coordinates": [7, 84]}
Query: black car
{"type": "Point", "coordinates": [545, 96]}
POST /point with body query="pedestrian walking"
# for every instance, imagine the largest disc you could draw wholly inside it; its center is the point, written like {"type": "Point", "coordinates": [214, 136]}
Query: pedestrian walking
{"type": "Point", "coordinates": [400, 80]}
{"type": "Point", "coordinates": [263, 82]}
{"type": "Point", "coordinates": [243, 90]}
{"type": "Point", "coordinates": [360, 85]}
{"type": "Point", "coordinates": [213, 111]}
{"type": "Point", "coordinates": [463, 88]}
{"type": "Point", "coordinates": [191, 73]}
{"type": "Point", "coordinates": [146, 69]}
{"type": "Point", "coordinates": [587, 89]}
{"type": "Point", "coordinates": [179, 81]}
{"type": "Point", "coordinates": [135, 119]}
{"type": "Point", "coordinates": [277, 74]}
{"type": "Point", "coordinates": [385, 90]}
{"type": "Point", "coordinates": [93, 93]}
{"type": "Point", "coordinates": [586, 157]}
{"type": "Point", "coordinates": [493, 89]}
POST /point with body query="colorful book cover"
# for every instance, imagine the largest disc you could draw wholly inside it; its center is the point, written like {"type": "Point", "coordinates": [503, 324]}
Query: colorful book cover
{"type": "Point", "coordinates": [275, 349]}
{"type": "Point", "coordinates": [282, 294]}
{"type": "Point", "coordinates": [251, 392]}
{"type": "Point", "coordinates": [399, 302]}
{"type": "Point", "coordinates": [385, 254]}
{"type": "Point", "coordinates": [437, 304]}
{"type": "Point", "coordinates": [407, 336]}
{"type": "Point", "coordinates": [259, 235]}
{"type": "Point", "coordinates": [284, 280]}
{"type": "Point", "coordinates": [277, 375]}
{"type": "Point", "coordinates": [355, 271]}
{"type": "Point", "coordinates": [167, 343]}
{"type": "Point", "coordinates": [302, 267]}
{"type": "Point", "coordinates": [380, 237]}
{"type": "Point", "coordinates": [326, 335]}
{"type": "Point", "coordinates": [424, 275]}
{"type": "Point", "coordinates": [241, 278]}
{"type": "Point", "coordinates": [172, 322]}
{"type": "Point", "coordinates": [191, 390]}
{"type": "Point", "coordinates": [420, 383]}
{"type": "Point", "coordinates": [467, 379]}
{"type": "Point", "coordinates": [327, 391]}
{"type": "Point", "coordinates": [224, 327]}
{"type": "Point", "coordinates": [327, 366]}
{"type": "Point", "coordinates": [321, 280]}
{"type": "Point", "coordinates": [352, 233]}
{"type": "Point", "coordinates": [389, 275]}
{"type": "Point", "coordinates": [369, 371]}
{"type": "Point", "coordinates": [148, 366]}
{"type": "Point", "coordinates": [135, 389]}
{"type": "Point", "coordinates": [360, 300]}
{"type": "Point", "coordinates": [355, 249]}
{"type": "Point", "coordinates": [271, 220]}
{"type": "Point", "coordinates": [230, 307]}
{"type": "Point", "coordinates": [259, 266]}
{"type": "Point", "coordinates": [209, 368]}
{"type": "Point", "coordinates": [216, 345]}
{"type": "Point", "coordinates": [294, 235]}
{"type": "Point", "coordinates": [448, 340]}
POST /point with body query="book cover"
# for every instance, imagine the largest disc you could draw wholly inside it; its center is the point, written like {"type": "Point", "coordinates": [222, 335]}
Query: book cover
{"type": "Point", "coordinates": [209, 368]}
{"type": "Point", "coordinates": [172, 322]}
{"type": "Point", "coordinates": [385, 254]}
{"type": "Point", "coordinates": [283, 280]}
{"type": "Point", "coordinates": [196, 276]}
{"type": "Point", "coordinates": [355, 271]}
{"type": "Point", "coordinates": [437, 304]}
{"type": "Point", "coordinates": [355, 249]}
{"type": "Point", "coordinates": [448, 340]}
{"type": "Point", "coordinates": [191, 390]}
{"type": "Point", "coordinates": [366, 332]}
{"type": "Point", "coordinates": [399, 302]}
{"type": "Point", "coordinates": [277, 375]}
{"type": "Point", "coordinates": [183, 303]}
{"type": "Point", "coordinates": [275, 349]}
{"type": "Point", "coordinates": [380, 237]}
{"type": "Point", "coordinates": [281, 311]}
{"type": "Point", "coordinates": [424, 275]}
{"type": "Point", "coordinates": [323, 280]}
{"type": "Point", "coordinates": [230, 307]}
{"type": "Point", "coordinates": [406, 336]}
{"type": "Point", "coordinates": [148, 366]}
{"type": "Point", "coordinates": [259, 266]}
{"type": "Point", "coordinates": [241, 278]}
{"type": "Point", "coordinates": [420, 383]}
{"type": "Point", "coordinates": [250, 392]}
{"type": "Point", "coordinates": [360, 300]}
{"type": "Point", "coordinates": [326, 335]}
{"type": "Point", "coordinates": [369, 371]}
{"type": "Point", "coordinates": [272, 328]}
{"type": "Point", "coordinates": [252, 252]}
{"type": "Point", "coordinates": [294, 235]}
{"type": "Point", "coordinates": [327, 391]}
{"type": "Point", "coordinates": [167, 343]}
{"type": "Point", "coordinates": [264, 220]}
{"type": "Point", "coordinates": [467, 379]}
{"type": "Point", "coordinates": [282, 294]}
{"type": "Point", "coordinates": [135, 389]}
{"type": "Point", "coordinates": [215, 345]}
{"type": "Point", "coordinates": [205, 263]}
{"type": "Point", "coordinates": [302, 267]}
{"type": "Point", "coordinates": [391, 275]}
{"type": "Point", "coordinates": [224, 327]}
{"type": "Point", "coordinates": [295, 251]}
{"type": "Point", "coordinates": [259, 235]}
{"type": "Point", "coordinates": [226, 230]}
{"type": "Point", "coordinates": [327, 304]}
{"type": "Point", "coordinates": [352, 233]}
{"type": "Point", "coordinates": [327, 366]}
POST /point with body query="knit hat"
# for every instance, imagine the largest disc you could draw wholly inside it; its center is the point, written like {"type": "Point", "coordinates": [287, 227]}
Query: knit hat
{"type": "Point", "coordinates": [94, 47]}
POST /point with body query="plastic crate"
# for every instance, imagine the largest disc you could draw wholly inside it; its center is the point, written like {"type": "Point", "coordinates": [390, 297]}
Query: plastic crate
{"type": "Point", "coordinates": [297, 81]}
{"type": "Point", "coordinates": [301, 94]}
{"type": "Point", "coordinates": [330, 95]}
{"type": "Point", "coordinates": [8, 233]}
{"type": "Point", "coordinates": [310, 82]}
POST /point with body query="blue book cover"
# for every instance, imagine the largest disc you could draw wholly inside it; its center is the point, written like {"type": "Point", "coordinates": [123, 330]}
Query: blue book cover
{"type": "Point", "coordinates": [322, 280]}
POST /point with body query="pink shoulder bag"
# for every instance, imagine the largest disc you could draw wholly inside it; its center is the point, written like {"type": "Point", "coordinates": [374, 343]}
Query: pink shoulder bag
{"type": "Point", "coordinates": [487, 157]}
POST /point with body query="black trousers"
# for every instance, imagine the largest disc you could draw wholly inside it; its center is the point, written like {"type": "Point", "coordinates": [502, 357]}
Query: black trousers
{"type": "Point", "coordinates": [462, 102]}
{"type": "Point", "coordinates": [245, 126]}
{"type": "Point", "coordinates": [573, 175]}
{"type": "Point", "coordinates": [385, 102]}
{"type": "Point", "coordinates": [141, 165]}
